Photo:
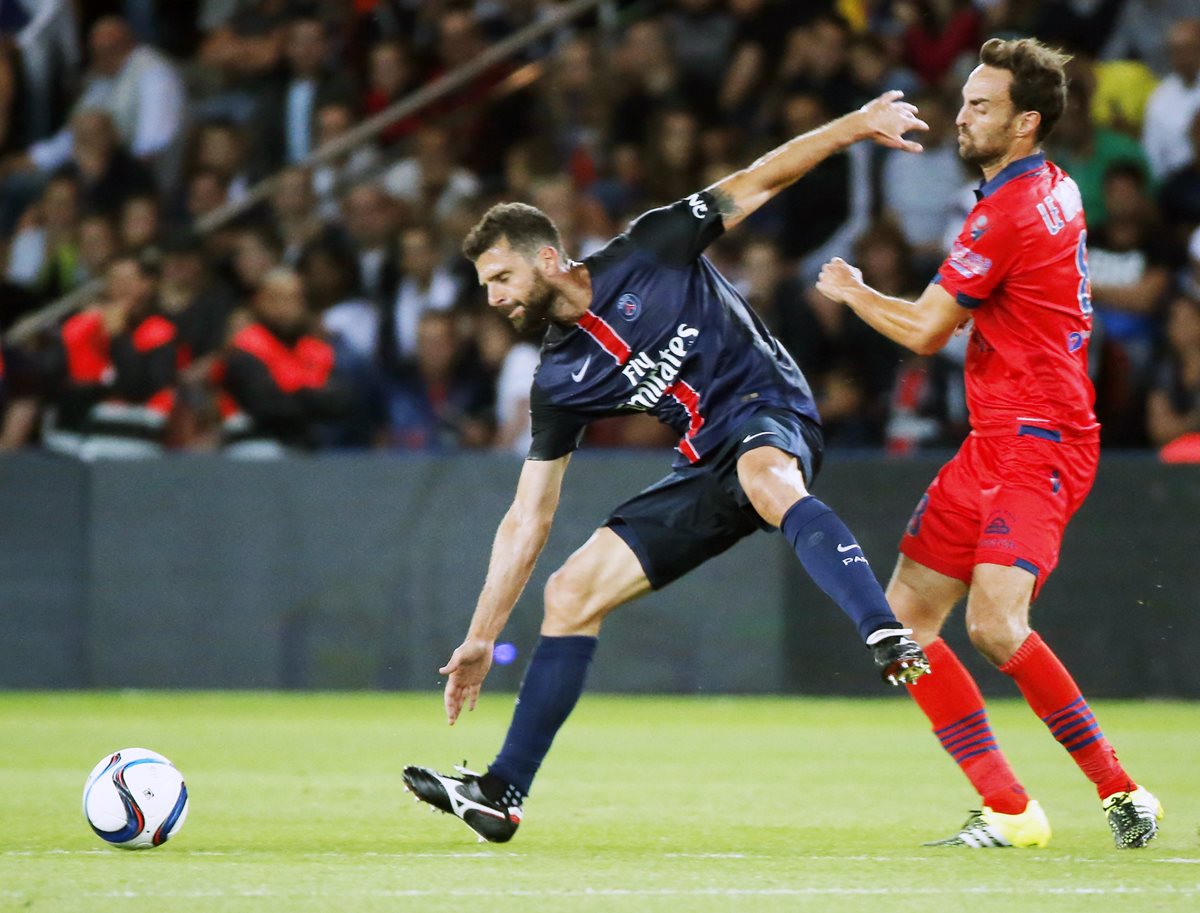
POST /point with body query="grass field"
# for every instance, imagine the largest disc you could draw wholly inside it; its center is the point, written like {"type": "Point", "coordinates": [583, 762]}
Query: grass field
{"type": "Point", "coordinates": [646, 804]}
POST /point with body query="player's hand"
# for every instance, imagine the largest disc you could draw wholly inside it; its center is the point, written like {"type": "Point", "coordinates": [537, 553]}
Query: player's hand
{"type": "Point", "coordinates": [838, 279]}
{"type": "Point", "coordinates": [887, 119]}
{"type": "Point", "coordinates": [467, 668]}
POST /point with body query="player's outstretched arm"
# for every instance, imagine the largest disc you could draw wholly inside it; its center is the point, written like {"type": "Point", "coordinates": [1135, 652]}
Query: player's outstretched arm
{"type": "Point", "coordinates": [885, 120]}
{"type": "Point", "coordinates": [923, 326]}
{"type": "Point", "coordinates": [519, 540]}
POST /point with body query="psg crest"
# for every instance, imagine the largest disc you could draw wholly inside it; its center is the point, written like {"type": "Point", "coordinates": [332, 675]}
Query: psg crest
{"type": "Point", "coordinates": [629, 306]}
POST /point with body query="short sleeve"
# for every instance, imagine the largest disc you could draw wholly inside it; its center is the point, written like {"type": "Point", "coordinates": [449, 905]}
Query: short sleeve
{"type": "Point", "coordinates": [980, 258]}
{"type": "Point", "coordinates": [555, 431]}
{"type": "Point", "coordinates": [679, 233]}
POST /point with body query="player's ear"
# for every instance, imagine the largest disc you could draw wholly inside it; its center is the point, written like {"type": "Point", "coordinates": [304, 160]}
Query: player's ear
{"type": "Point", "coordinates": [1028, 123]}
{"type": "Point", "coordinates": [547, 260]}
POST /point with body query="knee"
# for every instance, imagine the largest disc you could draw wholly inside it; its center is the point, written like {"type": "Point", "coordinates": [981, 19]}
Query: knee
{"type": "Point", "coordinates": [924, 619]}
{"type": "Point", "coordinates": [997, 637]}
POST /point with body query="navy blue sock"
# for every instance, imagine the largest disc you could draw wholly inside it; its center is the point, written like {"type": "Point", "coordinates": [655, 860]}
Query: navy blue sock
{"type": "Point", "coordinates": [836, 563]}
{"type": "Point", "coordinates": [552, 685]}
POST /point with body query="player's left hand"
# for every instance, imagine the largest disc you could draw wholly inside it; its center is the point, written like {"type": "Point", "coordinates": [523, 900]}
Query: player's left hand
{"type": "Point", "coordinates": [467, 668]}
{"type": "Point", "coordinates": [887, 119]}
{"type": "Point", "coordinates": [838, 278]}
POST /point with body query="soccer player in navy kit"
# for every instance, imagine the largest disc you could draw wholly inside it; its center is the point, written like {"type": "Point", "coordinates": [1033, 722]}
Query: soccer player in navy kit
{"type": "Point", "coordinates": [647, 324]}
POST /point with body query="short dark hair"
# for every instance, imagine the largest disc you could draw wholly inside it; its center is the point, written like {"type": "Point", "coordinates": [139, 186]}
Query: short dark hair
{"type": "Point", "coordinates": [1039, 76]}
{"type": "Point", "coordinates": [526, 228]}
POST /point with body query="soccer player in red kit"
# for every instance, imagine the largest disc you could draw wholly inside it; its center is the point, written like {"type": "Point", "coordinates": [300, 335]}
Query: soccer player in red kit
{"type": "Point", "coordinates": [990, 524]}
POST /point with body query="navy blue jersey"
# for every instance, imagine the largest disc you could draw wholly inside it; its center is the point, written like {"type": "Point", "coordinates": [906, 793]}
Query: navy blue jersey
{"type": "Point", "coordinates": [665, 334]}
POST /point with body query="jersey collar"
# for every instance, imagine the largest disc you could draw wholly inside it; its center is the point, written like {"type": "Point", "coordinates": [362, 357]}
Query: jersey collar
{"type": "Point", "coordinates": [1012, 170]}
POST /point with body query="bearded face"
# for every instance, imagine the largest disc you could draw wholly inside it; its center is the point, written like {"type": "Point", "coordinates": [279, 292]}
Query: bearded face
{"type": "Point", "coordinates": [532, 311]}
{"type": "Point", "coordinates": [987, 120]}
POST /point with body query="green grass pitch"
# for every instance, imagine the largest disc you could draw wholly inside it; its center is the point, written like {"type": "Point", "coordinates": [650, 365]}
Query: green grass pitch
{"type": "Point", "coordinates": [645, 804]}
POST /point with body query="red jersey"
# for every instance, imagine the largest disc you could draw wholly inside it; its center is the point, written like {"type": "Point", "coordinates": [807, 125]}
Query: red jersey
{"type": "Point", "coordinates": [1020, 264]}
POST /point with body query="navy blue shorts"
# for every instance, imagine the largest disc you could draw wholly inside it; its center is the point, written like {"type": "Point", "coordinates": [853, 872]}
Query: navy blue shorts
{"type": "Point", "coordinates": [699, 511]}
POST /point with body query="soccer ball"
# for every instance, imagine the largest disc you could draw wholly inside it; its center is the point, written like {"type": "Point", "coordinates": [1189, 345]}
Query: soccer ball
{"type": "Point", "coordinates": [135, 798]}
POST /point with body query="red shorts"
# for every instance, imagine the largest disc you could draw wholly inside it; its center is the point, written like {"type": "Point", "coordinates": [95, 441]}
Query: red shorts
{"type": "Point", "coordinates": [1001, 500]}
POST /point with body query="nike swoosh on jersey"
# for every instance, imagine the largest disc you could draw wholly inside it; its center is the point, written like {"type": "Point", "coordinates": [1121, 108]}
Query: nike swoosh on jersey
{"type": "Point", "coordinates": [849, 548]}
{"type": "Point", "coordinates": [750, 437]}
{"type": "Point", "coordinates": [577, 376]}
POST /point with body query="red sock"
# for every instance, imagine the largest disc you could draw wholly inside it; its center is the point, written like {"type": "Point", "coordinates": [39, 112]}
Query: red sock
{"type": "Point", "coordinates": [951, 700]}
{"type": "Point", "coordinates": [1054, 696]}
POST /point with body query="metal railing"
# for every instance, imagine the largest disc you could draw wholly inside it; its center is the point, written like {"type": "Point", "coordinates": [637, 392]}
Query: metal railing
{"type": "Point", "coordinates": [32, 324]}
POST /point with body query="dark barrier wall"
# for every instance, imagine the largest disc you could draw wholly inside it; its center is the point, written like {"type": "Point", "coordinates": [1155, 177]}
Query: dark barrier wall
{"type": "Point", "coordinates": [361, 572]}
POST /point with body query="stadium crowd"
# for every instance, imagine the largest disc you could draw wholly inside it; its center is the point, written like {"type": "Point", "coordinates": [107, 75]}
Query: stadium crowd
{"type": "Point", "coordinates": [338, 312]}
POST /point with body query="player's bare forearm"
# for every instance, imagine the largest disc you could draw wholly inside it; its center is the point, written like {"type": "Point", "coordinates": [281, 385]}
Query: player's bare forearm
{"type": "Point", "coordinates": [922, 326]}
{"type": "Point", "coordinates": [519, 541]}
{"type": "Point", "coordinates": [884, 120]}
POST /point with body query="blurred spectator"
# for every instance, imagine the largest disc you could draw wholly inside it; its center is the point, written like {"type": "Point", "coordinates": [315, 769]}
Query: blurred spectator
{"type": "Point", "coordinates": [334, 119]}
{"type": "Point", "coordinates": [44, 255]}
{"type": "Point", "coordinates": [243, 44]}
{"type": "Point", "coordinates": [192, 298]}
{"type": "Point", "coordinates": [431, 181]}
{"type": "Point", "coordinates": [761, 30]}
{"type": "Point", "coordinates": [1179, 197]}
{"type": "Point", "coordinates": [329, 273]}
{"type": "Point", "coordinates": [392, 74]}
{"type": "Point", "coordinates": [816, 60]}
{"type": "Point", "coordinates": [112, 372]}
{"type": "Point", "coordinates": [444, 401]}
{"type": "Point", "coordinates": [1174, 103]}
{"type": "Point", "coordinates": [919, 190]}
{"type": "Point", "coordinates": [574, 106]}
{"type": "Point", "coordinates": [581, 221]}
{"type": "Point", "coordinates": [1083, 24]}
{"type": "Point", "coordinates": [220, 146]}
{"type": "Point", "coordinates": [701, 35]}
{"type": "Point", "coordinates": [674, 162]}
{"type": "Point", "coordinates": [823, 214]}
{"type": "Point", "coordinates": [1173, 407]}
{"type": "Point", "coordinates": [937, 33]}
{"type": "Point", "coordinates": [46, 35]}
{"type": "Point", "coordinates": [1087, 152]}
{"type": "Point", "coordinates": [873, 66]}
{"type": "Point", "coordinates": [370, 219]}
{"type": "Point", "coordinates": [140, 89]}
{"type": "Point", "coordinates": [646, 78]}
{"type": "Point", "coordinates": [140, 222]}
{"type": "Point", "coordinates": [512, 361]}
{"type": "Point", "coordinates": [425, 285]}
{"type": "Point", "coordinates": [108, 175]}
{"type": "Point", "coordinates": [485, 122]}
{"type": "Point", "coordinates": [1130, 269]}
{"type": "Point", "coordinates": [294, 212]}
{"type": "Point", "coordinates": [257, 251]}
{"type": "Point", "coordinates": [1141, 32]}
{"type": "Point", "coordinates": [279, 376]}
{"type": "Point", "coordinates": [98, 244]}
{"type": "Point", "coordinates": [289, 105]}
{"type": "Point", "coordinates": [205, 192]}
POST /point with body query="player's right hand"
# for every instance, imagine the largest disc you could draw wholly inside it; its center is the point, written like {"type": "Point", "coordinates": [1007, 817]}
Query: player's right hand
{"type": "Point", "coordinates": [888, 118]}
{"type": "Point", "coordinates": [467, 668]}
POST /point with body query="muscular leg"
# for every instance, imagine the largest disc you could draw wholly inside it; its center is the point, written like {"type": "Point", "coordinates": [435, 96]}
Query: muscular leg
{"type": "Point", "coordinates": [828, 550]}
{"type": "Point", "coordinates": [598, 577]}
{"type": "Point", "coordinates": [998, 622]}
{"type": "Point", "coordinates": [601, 575]}
{"type": "Point", "coordinates": [922, 599]}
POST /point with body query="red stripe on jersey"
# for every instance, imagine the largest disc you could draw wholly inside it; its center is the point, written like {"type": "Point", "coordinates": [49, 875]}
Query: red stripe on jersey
{"type": "Point", "coordinates": [606, 336]}
{"type": "Point", "coordinates": [686, 396]}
